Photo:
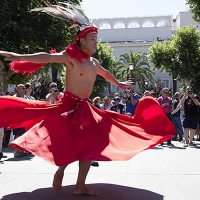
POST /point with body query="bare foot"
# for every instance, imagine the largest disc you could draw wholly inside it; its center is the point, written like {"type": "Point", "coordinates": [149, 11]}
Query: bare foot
{"type": "Point", "coordinates": [86, 191]}
{"type": "Point", "coordinates": [57, 180]}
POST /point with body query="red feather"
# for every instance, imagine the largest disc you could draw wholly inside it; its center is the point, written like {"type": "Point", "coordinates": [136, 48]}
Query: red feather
{"type": "Point", "coordinates": [22, 67]}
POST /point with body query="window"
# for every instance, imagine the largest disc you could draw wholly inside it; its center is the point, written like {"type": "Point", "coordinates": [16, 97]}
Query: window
{"type": "Point", "coordinates": [133, 25]}
{"type": "Point", "coordinates": [119, 25]}
{"type": "Point", "coordinates": [165, 83]}
{"type": "Point", "coordinates": [105, 25]}
{"type": "Point", "coordinates": [162, 23]}
{"type": "Point", "coordinates": [148, 23]}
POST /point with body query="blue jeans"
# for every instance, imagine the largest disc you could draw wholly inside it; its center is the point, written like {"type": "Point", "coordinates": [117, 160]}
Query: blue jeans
{"type": "Point", "coordinates": [177, 123]}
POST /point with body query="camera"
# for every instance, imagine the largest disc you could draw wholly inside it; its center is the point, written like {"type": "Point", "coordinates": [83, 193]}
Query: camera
{"type": "Point", "coordinates": [189, 91]}
{"type": "Point", "coordinates": [170, 102]}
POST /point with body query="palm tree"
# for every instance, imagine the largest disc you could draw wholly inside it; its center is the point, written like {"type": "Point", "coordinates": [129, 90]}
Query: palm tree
{"type": "Point", "coordinates": [141, 71]}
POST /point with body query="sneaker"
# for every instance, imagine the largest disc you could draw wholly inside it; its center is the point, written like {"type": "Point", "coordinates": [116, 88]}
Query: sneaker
{"type": "Point", "coordinates": [170, 144]}
{"type": "Point", "coordinates": [18, 154]}
{"type": "Point", "coordinates": [1, 155]}
{"type": "Point", "coordinates": [192, 145]}
{"type": "Point", "coordinates": [185, 145]}
{"type": "Point", "coordinates": [94, 164]}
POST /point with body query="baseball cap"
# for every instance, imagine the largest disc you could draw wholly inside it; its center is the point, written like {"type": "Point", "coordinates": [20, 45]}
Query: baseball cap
{"type": "Point", "coordinates": [53, 84]}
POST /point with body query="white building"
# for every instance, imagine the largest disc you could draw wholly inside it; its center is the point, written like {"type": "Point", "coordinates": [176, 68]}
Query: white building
{"type": "Point", "coordinates": [138, 34]}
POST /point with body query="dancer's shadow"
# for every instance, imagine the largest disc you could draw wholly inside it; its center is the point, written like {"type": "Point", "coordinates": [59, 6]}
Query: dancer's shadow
{"type": "Point", "coordinates": [108, 192]}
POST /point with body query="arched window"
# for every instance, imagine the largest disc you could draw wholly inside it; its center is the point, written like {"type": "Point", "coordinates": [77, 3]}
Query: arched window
{"type": "Point", "coordinates": [148, 23]}
{"type": "Point", "coordinates": [119, 25]}
{"type": "Point", "coordinates": [133, 24]}
{"type": "Point", "coordinates": [162, 23]}
{"type": "Point", "coordinates": [104, 25]}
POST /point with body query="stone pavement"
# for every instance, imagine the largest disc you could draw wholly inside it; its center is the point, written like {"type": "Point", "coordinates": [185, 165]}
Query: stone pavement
{"type": "Point", "coordinates": [162, 173]}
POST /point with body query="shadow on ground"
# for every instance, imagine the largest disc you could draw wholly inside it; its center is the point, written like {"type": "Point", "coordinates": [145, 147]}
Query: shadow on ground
{"type": "Point", "coordinates": [108, 192]}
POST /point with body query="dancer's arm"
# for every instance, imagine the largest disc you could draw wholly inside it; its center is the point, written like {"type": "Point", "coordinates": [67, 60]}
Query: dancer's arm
{"type": "Point", "coordinates": [41, 57]}
{"type": "Point", "coordinates": [109, 77]}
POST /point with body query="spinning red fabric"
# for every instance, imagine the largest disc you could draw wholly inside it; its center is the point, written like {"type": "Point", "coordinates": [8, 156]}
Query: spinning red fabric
{"type": "Point", "coordinates": [86, 134]}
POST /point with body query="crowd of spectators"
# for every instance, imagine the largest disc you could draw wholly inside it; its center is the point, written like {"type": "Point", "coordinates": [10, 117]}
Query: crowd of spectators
{"type": "Point", "coordinates": [183, 110]}
{"type": "Point", "coordinates": [40, 87]}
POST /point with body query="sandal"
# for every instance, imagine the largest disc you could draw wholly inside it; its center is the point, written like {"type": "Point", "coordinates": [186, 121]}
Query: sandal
{"type": "Point", "coordinates": [18, 154]}
{"type": "Point", "coordinates": [192, 145]}
{"type": "Point", "coordinates": [26, 153]}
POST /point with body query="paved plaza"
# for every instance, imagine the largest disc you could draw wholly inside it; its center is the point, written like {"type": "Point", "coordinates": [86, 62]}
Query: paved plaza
{"type": "Point", "coordinates": [162, 173]}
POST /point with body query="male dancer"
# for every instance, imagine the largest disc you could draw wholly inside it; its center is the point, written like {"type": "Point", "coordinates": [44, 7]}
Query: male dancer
{"type": "Point", "coordinates": [82, 132]}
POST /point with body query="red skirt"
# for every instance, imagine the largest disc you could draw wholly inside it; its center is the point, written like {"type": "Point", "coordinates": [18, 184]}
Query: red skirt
{"type": "Point", "coordinates": [73, 129]}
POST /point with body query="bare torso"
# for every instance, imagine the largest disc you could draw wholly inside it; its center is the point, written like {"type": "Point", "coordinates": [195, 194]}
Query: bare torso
{"type": "Point", "coordinates": [80, 77]}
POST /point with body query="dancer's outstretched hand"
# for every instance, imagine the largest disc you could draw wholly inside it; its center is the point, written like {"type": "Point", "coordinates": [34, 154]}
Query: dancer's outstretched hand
{"type": "Point", "coordinates": [9, 56]}
{"type": "Point", "coordinates": [125, 85]}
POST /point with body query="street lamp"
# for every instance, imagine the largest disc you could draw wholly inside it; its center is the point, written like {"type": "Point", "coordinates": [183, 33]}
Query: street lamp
{"type": "Point", "coordinates": [131, 66]}
{"type": "Point", "coordinates": [146, 84]}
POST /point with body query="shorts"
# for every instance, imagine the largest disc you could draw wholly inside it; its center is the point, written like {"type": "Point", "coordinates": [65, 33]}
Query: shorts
{"type": "Point", "coordinates": [18, 131]}
{"type": "Point", "coordinates": [190, 122]}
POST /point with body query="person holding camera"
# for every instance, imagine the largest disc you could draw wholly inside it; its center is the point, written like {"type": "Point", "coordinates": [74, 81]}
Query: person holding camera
{"type": "Point", "coordinates": [54, 94]}
{"type": "Point", "coordinates": [176, 116]}
{"type": "Point", "coordinates": [130, 100]}
{"type": "Point", "coordinates": [190, 122]}
{"type": "Point", "coordinates": [117, 107]}
{"type": "Point", "coordinates": [166, 103]}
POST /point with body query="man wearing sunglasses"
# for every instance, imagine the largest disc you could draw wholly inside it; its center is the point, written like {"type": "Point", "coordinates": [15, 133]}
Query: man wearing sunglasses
{"type": "Point", "coordinates": [166, 103]}
{"type": "Point", "coordinates": [20, 89]}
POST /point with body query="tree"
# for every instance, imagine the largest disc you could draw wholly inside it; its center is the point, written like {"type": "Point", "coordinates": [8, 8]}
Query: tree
{"type": "Point", "coordinates": [194, 7]}
{"type": "Point", "coordinates": [163, 55]}
{"type": "Point", "coordinates": [141, 71]}
{"type": "Point", "coordinates": [28, 32]}
{"type": "Point", "coordinates": [178, 56]}
{"type": "Point", "coordinates": [105, 57]}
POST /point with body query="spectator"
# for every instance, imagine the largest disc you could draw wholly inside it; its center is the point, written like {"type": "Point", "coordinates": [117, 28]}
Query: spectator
{"type": "Point", "coordinates": [107, 104]}
{"type": "Point", "coordinates": [130, 100]}
{"type": "Point", "coordinates": [190, 122]}
{"type": "Point", "coordinates": [147, 93]}
{"type": "Point", "coordinates": [28, 91]}
{"type": "Point", "coordinates": [153, 94]}
{"type": "Point", "coordinates": [175, 115]}
{"type": "Point", "coordinates": [117, 107]}
{"type": "Point", "coordinates": [1, 142]}
{"type": "Point", "coordinates": [166, 103]}
{"type": "Point", "coordinates": [54, 94]}
{"type": "Point", "coordinates": [7, 131]}
{"type": "Point", "coordinates": [96, 102]}
{"type": "Point", "coordinates": [19, 131]}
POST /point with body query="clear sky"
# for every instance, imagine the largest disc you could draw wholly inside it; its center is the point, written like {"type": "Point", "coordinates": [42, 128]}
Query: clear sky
{"type": "Point", "coordinates": [132, 8]}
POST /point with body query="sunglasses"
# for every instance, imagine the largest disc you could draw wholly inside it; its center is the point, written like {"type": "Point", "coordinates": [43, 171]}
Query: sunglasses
{"type": "Point", "coordinates": [166, 92]}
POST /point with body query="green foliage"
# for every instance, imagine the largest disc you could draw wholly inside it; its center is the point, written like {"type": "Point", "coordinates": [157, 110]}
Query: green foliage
{"type": "Point", "coordinates": [28, 32]}
{"type": "Point", "coordinates": [141, 68]}
{"type": "Point", "coordinates": [179, 56]}
{"type": "Point", "coordinates": [106, 59]}
{"type": "Point", "coordinates": [194, 7]}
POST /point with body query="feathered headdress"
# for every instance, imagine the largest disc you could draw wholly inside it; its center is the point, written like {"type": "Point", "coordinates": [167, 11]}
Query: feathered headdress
{"type": "Point", "coordinates": [65, 11]}
{"type": "Point", "coordinates": [70, 13]}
